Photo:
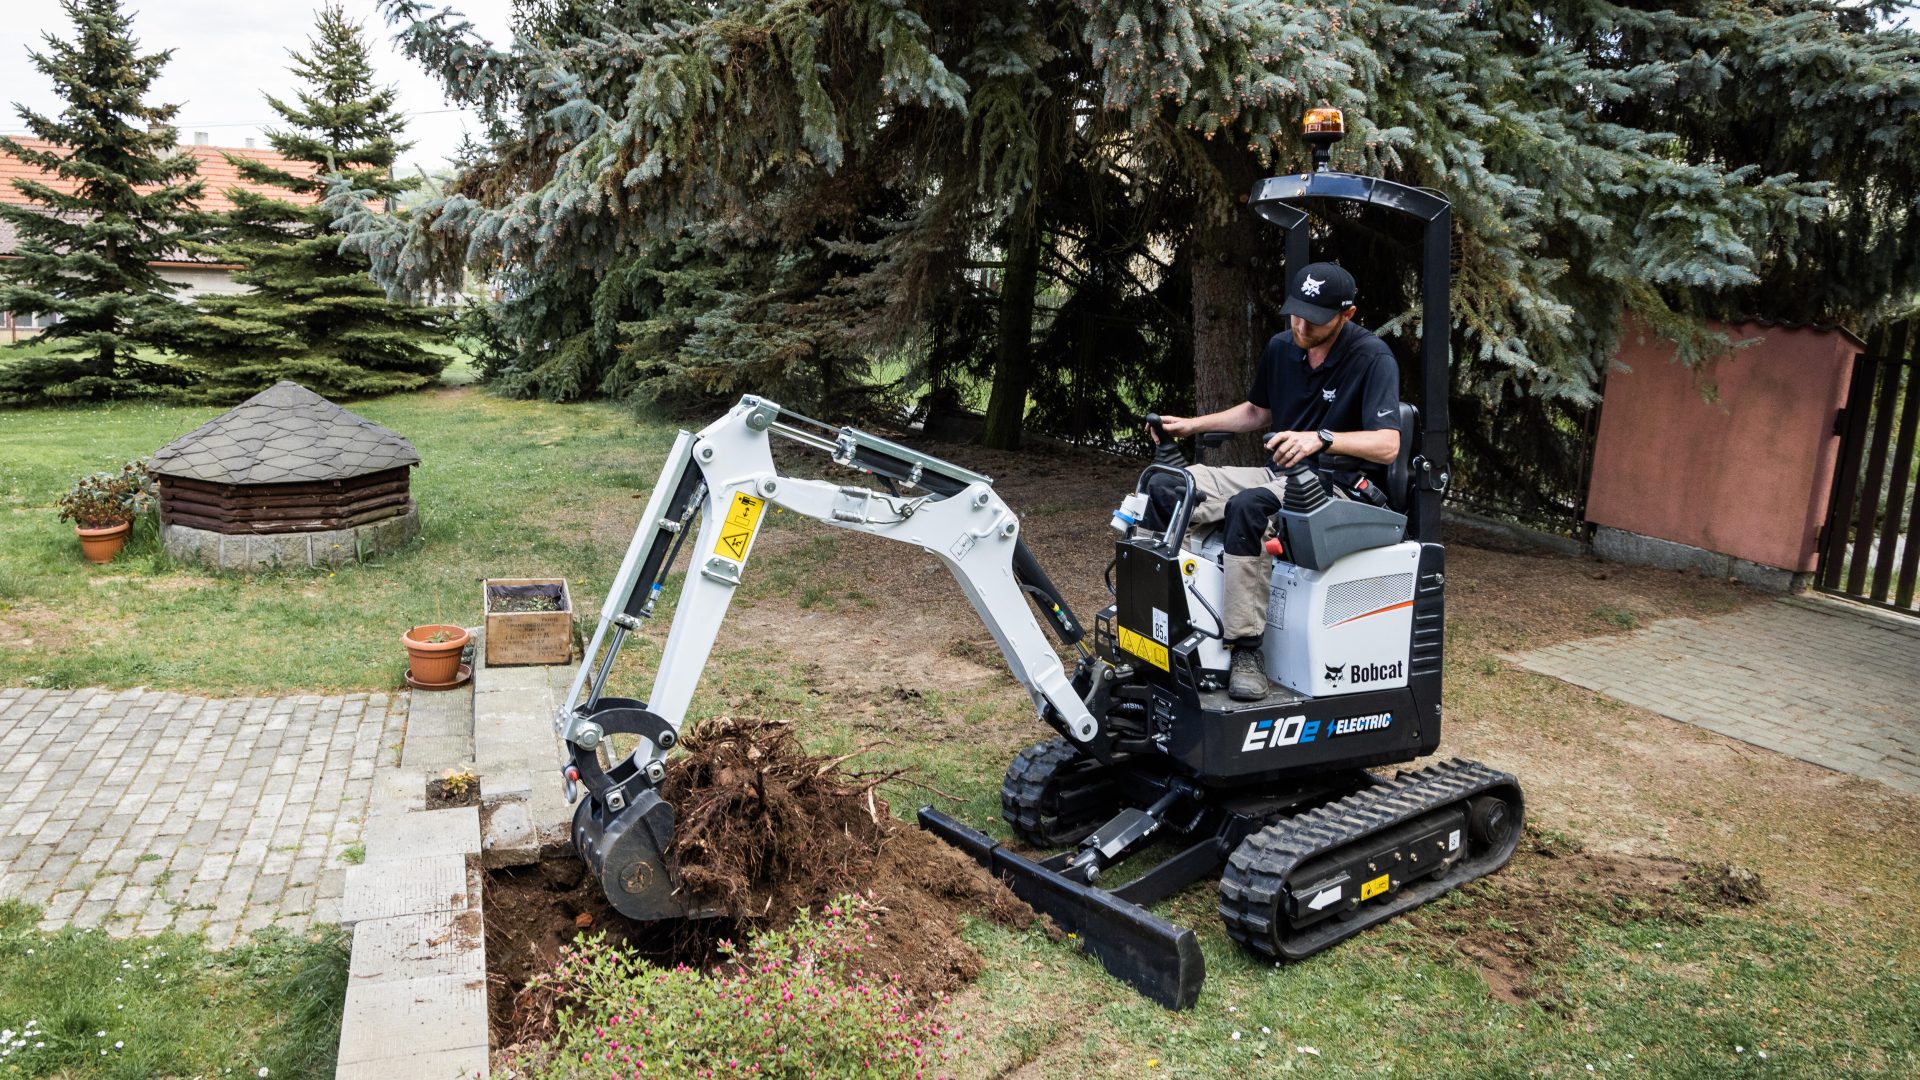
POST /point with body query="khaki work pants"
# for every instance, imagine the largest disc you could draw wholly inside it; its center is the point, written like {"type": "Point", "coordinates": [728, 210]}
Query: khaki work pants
{"type": "Point", "coordinates": [1248, 579]}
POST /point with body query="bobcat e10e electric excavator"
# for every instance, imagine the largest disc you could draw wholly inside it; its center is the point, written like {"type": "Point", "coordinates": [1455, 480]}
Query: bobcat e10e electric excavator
{"type": "Point", "coordinates": [1272, 796]}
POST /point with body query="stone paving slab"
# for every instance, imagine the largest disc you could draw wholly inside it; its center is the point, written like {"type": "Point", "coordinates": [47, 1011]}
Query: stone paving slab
{"type": "Point", "coordinates": [400, 886]}
{"type": "Point", "coordinates": [442, 1065]}
{"type": "Point", "coordinates": [418, 930]}
{"type": "Point", "coordinates": [1810, 679]}
{"type": "Point", "coordinates": [509, 836]}
{"type": "Point", "coordinates": [418, 946]}
{"type": "Point", "coordinates": [439, 731]}
{"type": "Point", "coordinates": [454, 831]}
{"type": "Point", "coordinates": [407, 1019]}
{"type": "Point", "coordinates": [141, 810]}
{"type": "Point", "coordinates": [518, 754]}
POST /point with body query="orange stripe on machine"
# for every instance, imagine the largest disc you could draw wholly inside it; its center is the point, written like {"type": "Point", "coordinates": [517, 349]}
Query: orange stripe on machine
{"type": "Point", "coordinates": [1376, 611]}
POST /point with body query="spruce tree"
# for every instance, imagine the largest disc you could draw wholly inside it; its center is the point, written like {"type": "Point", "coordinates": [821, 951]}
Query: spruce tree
{"type": "Point", "coordinates": [313, 314]}
{"type": "Point", "coordinates": [85, 255]}
{"type": "Point", "coordinates": [1666, 165]}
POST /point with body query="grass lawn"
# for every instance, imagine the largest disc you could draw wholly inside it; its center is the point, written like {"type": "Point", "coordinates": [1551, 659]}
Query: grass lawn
{"type": "Point", "coordinates": [1603, 949]}
{"type": "Point", "coordinates": [506, 489]}
{"type": "Point", "coordinates": [79, 1003]}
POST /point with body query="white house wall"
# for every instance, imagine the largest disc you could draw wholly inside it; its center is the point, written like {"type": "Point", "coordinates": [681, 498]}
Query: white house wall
{"type": "Point", "coordinates": [199, 282]}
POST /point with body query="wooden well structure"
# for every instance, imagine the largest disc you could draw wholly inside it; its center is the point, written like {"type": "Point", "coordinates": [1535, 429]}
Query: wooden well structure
{"type": "Point", "coordinates": [285, 477]}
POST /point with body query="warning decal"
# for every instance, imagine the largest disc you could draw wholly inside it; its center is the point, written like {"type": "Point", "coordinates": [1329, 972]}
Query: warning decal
{"type": "Point", "coordinates": [736, 532]}
{"type": "Point", "coordinates": [1374, 888]}
{"type": "Point", "coordinates": [1144, 647]}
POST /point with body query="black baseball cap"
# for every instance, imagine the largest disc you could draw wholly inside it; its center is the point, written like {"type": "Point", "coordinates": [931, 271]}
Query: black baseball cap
{"type": "Point", "coordinates": [1319, 293]}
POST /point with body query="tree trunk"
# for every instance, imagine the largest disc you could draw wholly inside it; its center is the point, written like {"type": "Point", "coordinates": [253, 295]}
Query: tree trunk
{"type": "Point", "coordinates": [1013, 353]}
{"type": "Point", "coordinates": [1227, 332]}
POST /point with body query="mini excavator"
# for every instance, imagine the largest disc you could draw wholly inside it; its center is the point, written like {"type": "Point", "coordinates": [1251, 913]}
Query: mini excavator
{"type": "Point", "coordinates": [1274, 797]}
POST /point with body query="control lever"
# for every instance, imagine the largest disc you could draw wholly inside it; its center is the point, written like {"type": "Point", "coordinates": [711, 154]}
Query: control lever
{"type": "Point", "coordinates": [1166, 453]}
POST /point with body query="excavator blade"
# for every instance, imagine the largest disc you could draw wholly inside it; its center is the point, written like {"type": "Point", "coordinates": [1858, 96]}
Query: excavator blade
{"type": "Point", "coordinates": [1155, 957]}
{"type": "Point", "coordinates": [626, 852]}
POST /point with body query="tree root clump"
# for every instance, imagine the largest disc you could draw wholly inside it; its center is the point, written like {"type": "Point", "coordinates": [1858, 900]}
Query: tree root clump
{"type": "Point", "coordinates": [763, 829]}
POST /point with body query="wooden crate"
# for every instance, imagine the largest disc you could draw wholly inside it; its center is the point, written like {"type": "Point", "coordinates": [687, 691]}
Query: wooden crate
{"type": "Point", "coordinates": [527, 637]}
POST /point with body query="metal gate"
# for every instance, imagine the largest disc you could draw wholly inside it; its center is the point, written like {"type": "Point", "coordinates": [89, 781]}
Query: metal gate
{"type": "Point", "coordinates": [1869, 550]}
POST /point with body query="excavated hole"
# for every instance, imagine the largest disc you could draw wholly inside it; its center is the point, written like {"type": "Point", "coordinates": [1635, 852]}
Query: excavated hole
{"type": "Point", "coordinates": [763, 829]}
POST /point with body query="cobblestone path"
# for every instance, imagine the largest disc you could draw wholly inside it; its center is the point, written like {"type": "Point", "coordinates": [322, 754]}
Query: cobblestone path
{"type": "Point", "coordinates": [1804, 678]}
{"type": "Point", "coordinates": [139, 811]}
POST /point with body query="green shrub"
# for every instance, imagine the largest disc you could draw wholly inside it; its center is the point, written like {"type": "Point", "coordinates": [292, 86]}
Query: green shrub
{"type": "Point", "coordinates": [793, 1003]}
{"type": "Point", "coordinates": [105, 499]}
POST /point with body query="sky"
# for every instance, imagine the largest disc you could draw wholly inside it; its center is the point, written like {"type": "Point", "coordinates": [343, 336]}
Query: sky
{"type": "Point", "coordinates": [227, 54]}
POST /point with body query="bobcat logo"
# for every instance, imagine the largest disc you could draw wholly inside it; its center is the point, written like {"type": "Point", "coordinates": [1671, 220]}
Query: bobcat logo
{"type": "Point", "coordinates": [1310, 286]}
{"type": "Point", "coordinates": [1328, 394]}
{"type": "Point", "coordinates": [1334, 672]}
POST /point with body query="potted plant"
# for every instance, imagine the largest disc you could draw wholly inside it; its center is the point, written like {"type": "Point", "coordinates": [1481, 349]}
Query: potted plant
{"type": "Point", "coordinates": [433, 655]}
{"type": "Point", "coordinates": [102, 507]}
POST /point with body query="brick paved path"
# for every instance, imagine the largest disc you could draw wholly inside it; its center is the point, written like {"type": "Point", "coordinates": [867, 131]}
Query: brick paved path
{"type": "Point", "coordinates": [1804, 678]}
{"type": "Point", "coordinates": [141, 811]}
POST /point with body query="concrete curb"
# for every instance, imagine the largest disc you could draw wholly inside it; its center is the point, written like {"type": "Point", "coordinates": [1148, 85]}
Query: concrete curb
{"type": "Point", "coordinates": [417, 984]}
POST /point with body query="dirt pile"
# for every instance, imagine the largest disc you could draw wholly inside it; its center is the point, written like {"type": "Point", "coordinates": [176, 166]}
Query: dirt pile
{"type": "Point", "coordinates": [762, 829]}
{"type": "Point", "coordinates": [760, 825]}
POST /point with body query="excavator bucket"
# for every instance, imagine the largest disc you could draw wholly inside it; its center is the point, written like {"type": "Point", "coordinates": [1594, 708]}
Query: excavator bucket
{"type": "Point", "coordinates": [1139, 948]}
{"type": "Point", "coordinates": [626, 852]}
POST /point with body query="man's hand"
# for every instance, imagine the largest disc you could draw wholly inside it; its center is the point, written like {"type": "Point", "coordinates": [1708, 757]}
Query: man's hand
{"type": "Point", "coordinates": [1176, 427]}
{"type": "Point", "coordinates": [1290, 448]}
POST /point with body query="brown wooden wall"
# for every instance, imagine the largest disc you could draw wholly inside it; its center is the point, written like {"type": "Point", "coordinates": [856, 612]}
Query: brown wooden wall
{"type": "Point", "coordinates": [283, 508]}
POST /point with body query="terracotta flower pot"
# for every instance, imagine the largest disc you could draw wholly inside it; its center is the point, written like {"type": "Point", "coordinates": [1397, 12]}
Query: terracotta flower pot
{"type": "Point", "coordinates": [432, 662]}
{"type": "Point", "coordinates": [101, 545]}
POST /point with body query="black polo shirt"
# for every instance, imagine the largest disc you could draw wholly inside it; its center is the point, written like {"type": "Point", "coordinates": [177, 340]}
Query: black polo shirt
{"type": "Point", "coordinates": [1357, 388]}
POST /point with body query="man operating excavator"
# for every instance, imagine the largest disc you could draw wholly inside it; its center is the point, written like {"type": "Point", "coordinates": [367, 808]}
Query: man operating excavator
{"type": "Point", "coordinates": [1325, 385]}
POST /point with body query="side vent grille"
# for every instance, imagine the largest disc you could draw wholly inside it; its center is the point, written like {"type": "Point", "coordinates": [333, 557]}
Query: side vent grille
{"type": "Point", "coordinates": [1429, 616]}
{"type": "Point", "coordinates": [1352, 599]}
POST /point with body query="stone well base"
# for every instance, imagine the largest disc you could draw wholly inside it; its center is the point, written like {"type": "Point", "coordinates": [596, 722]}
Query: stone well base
{"type": "Point", "coordinates": [316, 550]}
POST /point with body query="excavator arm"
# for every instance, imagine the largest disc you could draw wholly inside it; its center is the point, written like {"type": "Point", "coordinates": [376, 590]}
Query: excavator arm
{"type": "Point", "coordinates": [714, 493]}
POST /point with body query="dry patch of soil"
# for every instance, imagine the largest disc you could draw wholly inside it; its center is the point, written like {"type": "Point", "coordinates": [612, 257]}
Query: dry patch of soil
{"type": "Point", "coordinates": [1528, 916]}
{"type": "Point", "coordinates": [927, 676]}
{"type": "Point", "coordinates": [1516, 599]}
{"type": "Point", "coordinates": [29, 625]}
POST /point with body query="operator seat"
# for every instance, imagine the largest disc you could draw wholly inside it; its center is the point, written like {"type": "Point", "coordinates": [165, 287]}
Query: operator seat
{"type": "Point", "coordinates": [1400, 469]}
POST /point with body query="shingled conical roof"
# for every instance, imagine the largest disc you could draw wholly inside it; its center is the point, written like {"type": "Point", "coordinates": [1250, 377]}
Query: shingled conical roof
{"type": "Point", "coordinates": [284, 434]}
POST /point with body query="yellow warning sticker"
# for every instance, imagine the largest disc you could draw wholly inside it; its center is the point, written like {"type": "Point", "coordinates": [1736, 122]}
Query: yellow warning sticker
{"type": "Point", "coordinates": [1371, 889]}
{"type": "Point", "coordinates": [736, 532]}
{"type": "Point", "coordinates": [1144, 647]}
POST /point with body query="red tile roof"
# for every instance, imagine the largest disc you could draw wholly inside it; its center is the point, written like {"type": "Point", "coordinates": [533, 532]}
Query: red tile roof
{"type": "Point", "coordinates": [219, 174]}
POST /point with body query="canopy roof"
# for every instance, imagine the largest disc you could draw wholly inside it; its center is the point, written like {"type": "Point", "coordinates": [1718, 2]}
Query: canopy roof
{"type": "Point", "coordinates": [284, 434]}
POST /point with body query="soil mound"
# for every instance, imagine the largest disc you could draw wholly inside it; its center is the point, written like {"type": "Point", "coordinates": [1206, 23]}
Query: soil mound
{"type": "Point", "coordinates": [762, 829]}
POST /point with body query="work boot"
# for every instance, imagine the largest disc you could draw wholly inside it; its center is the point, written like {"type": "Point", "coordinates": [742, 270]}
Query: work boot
{"type": "Point", "coordinates": [1247, 680]}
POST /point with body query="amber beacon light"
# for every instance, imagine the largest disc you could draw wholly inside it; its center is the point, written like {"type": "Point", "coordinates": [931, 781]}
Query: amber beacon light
{"type": "Point", "coordinates": [1322, 127]}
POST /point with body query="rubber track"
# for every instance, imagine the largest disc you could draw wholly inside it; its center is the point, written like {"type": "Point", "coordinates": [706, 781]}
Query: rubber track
{"type": "Point", "coordinates": [1255, 878]}
{"type": "Point", "coordinates": [1023, 793]}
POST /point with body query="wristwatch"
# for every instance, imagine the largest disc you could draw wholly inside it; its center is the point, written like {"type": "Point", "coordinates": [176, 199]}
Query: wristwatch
{"type": "Point", "coordinates": [1326, 440]}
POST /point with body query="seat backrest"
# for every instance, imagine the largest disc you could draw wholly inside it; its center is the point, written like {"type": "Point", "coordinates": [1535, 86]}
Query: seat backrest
{"type": "Point", "coordinates": [1400, 470]}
